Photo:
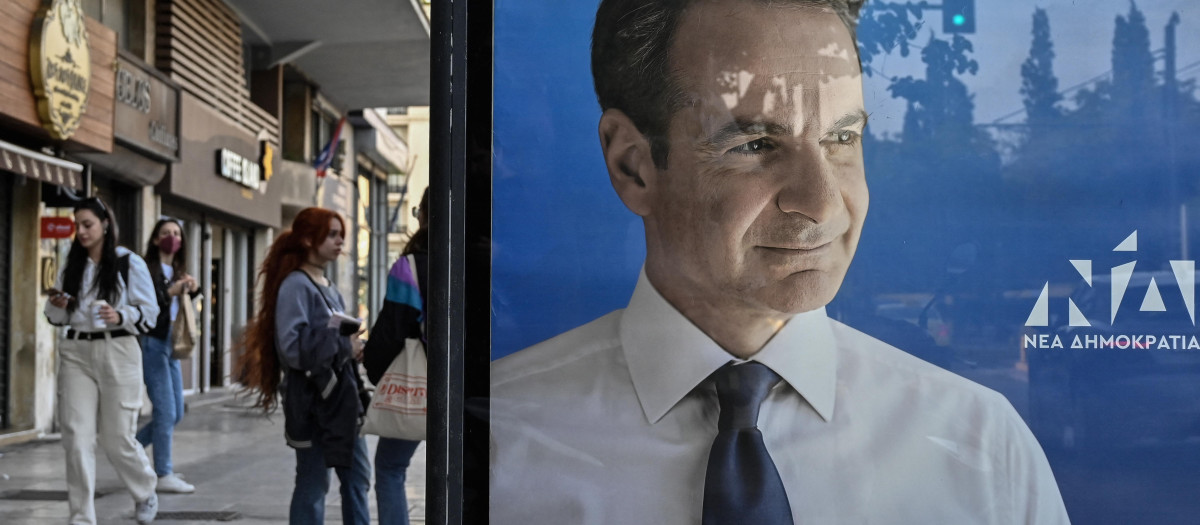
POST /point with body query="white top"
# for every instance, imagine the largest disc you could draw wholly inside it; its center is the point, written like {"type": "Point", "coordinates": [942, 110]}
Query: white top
{"type": "Point", "coordinates": [605, 424]}
{"type": "Point", "coordinates": [169, 272]}
{"type": "Point", "coordinates": [136, 302]}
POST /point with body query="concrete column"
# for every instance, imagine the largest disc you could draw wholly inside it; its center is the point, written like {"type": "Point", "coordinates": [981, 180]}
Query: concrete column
{"type": "Point", "coordinates": [206, 320]}
{"type": "Point", "coordinates": [151, 207]}
{"type": "Point", "coordinates": [31, 343]}
{"type": "Point", "coordinates": [195, 240]}
{"type": "Point", "coordinates": [228, 302]}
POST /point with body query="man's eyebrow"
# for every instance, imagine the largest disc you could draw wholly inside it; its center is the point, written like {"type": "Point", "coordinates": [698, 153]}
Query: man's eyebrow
{"type": "Point", "coordinates": [850, 119]}
{"type": "Point", "coordinates": [741, 127]}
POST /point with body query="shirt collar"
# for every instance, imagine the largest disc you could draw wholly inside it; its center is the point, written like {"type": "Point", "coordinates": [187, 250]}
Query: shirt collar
{"type": "Point", "coordinates": [668, 355]}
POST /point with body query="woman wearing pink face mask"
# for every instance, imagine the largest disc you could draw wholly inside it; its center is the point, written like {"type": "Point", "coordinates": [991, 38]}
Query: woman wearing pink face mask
{"type": "Point", "coordinates": [166, 257]}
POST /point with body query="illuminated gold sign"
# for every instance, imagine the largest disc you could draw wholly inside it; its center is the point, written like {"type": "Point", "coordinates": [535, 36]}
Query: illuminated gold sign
{"type": "Point", "coordinates": [60, 65]}
{"type": "Point", "coordinates": [268, 156]}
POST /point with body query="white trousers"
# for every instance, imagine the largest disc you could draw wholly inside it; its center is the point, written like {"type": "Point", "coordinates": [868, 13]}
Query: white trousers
{"type": "Point", "coordinates": [99, 394]}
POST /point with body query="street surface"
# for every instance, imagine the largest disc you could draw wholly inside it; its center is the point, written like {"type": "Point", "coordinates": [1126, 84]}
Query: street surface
{"type": "Point", "coordinates": [236, 458]}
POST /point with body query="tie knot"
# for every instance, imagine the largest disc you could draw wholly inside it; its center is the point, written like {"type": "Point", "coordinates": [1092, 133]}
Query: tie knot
{"type": "Point", "coordinates": [741, 389]}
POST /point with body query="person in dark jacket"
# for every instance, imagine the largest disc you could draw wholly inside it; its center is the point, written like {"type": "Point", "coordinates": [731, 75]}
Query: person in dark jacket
{"type": "Point", "coordinates": [398, 320]}
{"type": "Point", "coordinates": [291, 347]}
{"type": "Point", "coordinates": [166, 259]}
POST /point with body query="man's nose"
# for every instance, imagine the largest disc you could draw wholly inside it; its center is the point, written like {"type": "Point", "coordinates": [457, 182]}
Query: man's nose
{"type": "Point", "coordinates": [810, 187]}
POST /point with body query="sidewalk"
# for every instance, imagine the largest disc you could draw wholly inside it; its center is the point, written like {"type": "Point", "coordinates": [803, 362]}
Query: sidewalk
{"type": "Point", "coordinates": [237, 459]}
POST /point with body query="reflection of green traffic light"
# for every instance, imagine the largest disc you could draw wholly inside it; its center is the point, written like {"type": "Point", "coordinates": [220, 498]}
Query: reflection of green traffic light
{"type": "Point", "coordinates": [958, 16]}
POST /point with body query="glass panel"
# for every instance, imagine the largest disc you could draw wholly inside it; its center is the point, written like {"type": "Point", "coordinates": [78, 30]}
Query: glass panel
{"type": "Point", "coordinates": [91, 8]}
{"type": "Point", "coordinates": [115, 16]}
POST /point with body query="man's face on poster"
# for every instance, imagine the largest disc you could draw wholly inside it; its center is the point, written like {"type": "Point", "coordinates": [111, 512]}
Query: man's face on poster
{"type": "Point", "coordinates": [764, 195]}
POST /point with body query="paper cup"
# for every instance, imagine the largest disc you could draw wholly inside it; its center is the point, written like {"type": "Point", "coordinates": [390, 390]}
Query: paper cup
{"type": "Point", "coordinates": [97, 321]}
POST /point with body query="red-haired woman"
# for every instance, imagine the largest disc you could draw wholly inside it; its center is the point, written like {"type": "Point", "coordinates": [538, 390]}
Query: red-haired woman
{"type": "Point", "coordinates": [289, 348]}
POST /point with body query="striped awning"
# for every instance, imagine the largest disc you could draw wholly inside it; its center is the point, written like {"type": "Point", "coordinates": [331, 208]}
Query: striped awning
{"type": "Point", "coordinates": [40, 166]}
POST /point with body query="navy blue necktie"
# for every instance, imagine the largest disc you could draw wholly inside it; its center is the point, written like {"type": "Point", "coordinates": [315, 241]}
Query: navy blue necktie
{"type": "Point", "coordinates": [742, 484]}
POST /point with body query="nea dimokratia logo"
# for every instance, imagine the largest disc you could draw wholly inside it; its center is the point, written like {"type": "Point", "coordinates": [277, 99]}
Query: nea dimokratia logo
{"type": "Point", "coordinates": [1173, 334]}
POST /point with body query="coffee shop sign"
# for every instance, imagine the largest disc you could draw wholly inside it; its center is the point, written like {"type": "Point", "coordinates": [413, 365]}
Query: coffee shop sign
{"type": "Point", "coordinates": [238, 169]}
{"type": "Point", "coordinates": [60, 66]}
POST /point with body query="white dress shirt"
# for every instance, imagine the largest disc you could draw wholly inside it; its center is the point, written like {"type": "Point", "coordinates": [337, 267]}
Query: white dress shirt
{"type": "Point", "coordinates": [612, 423]}
{"type": "Point", "coordinates": [136, 300]}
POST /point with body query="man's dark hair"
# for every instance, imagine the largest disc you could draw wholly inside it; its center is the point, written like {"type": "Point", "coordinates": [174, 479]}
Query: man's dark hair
{"type": "Point", "coordinates": [631, 45]}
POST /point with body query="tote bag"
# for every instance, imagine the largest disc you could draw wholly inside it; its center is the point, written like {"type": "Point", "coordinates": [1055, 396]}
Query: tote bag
{"type": "Point", "coordinates": [401, 398]}
{"type": "Point", "coordinates": [183, 333]}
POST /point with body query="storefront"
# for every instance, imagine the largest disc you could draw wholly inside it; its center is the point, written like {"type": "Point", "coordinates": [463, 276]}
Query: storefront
{"type": "Point", "coordinates": [57, 106]}
{"type": "Point", "coordinates": [379, 152]}
{"type": "Point", "coordinates": [146, 143]}
{"type": "Point", "coordinates": [221, 191]}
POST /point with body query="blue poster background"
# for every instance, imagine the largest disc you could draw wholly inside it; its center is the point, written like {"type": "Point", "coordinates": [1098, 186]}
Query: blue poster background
{"type": "Point", "coordinates": [565, 249]}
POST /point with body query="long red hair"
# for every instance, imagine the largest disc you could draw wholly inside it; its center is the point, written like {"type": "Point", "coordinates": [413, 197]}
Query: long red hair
{"type": "Point", "coordinates": [258, 365]}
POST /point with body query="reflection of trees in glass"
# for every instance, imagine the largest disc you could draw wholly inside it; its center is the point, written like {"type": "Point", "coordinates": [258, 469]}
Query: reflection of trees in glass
{"type": "Point", "coordinates": [884, 28]}
{"type": "Point", "coordinates": [939, 106]}
{"type": "Point", "coordinates": [1133, 65]}
{"type": "Point", "coordinates": [1117, 144]}
{"type": "Point", "coordinates": [929, 183]}
{"type": "Point", "coordinates": [1088, 164]}
{"type": "Point", "coordinates": [1039, 86]}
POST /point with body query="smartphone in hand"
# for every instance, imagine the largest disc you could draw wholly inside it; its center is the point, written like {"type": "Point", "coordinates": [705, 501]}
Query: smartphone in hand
{"type": "Point", "coordinates": [56, 293]}
{"type": "Point", "coordinates": [345, 324]}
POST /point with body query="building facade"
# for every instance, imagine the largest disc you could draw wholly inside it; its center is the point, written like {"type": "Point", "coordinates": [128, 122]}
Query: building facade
{"type": "Point", "coordinates": [406, 187]}
{"type": "Point", "coordinates": [199, 110]}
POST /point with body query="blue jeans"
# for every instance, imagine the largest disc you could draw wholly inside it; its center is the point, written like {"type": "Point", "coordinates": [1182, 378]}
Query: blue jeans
{"type": "Point", "coordinates": [164, 386]}
{"type": "Point", "coordinates": [312, 483]}
{"type": "Point", "coordinates": [392, 457]}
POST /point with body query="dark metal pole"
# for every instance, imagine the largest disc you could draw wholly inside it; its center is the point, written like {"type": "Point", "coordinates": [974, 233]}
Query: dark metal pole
{"type": "Point", "coordinates": [448, 43]}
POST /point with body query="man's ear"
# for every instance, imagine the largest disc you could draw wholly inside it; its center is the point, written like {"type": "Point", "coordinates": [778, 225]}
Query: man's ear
{"type": "Point", "coordinates": [627, 156]}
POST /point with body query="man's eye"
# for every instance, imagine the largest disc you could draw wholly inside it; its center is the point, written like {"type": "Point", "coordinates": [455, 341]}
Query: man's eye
{"type": "Point", "coordinates": [844, 138]}
{"type": "Point", "coordinates": [752, 147]}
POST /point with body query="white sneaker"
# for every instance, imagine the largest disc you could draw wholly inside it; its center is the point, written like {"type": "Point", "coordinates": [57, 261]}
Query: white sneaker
{"type": "Point", "coordinates": [145, 511]}
{"type": "Point", "coordinates": [174, 484]}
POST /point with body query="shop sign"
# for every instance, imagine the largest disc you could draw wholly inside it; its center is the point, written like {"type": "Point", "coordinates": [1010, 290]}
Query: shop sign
{"type": "Point", "coordinates": [57, 227]}
{"type": "Point", "coordinates": [268, 156]}
{"type": "Point", "coordinates": [265, 160]}
{"type": "Point", "coordinates": [238, 169]}
{"type": "Point", "coordinates": [60, 66]}
{"type": "Point", "coordinates": [146, 112]}
{"type": "Point", "coordinates": [49, 272]}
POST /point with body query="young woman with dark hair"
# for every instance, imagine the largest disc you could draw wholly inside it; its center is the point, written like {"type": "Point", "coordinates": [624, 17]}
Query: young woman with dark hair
{"type": "Point", "coordinates": [166, 257]}
{"type": "Point", "coordinates": [290, 348]}
{"type": "Point", "coordinates": [398, 320]}
{"type": "Point", "coordinates": [105, 297]}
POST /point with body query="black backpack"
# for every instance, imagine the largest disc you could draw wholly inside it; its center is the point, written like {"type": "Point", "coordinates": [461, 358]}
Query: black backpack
{"type": "Point", "coordinates": [123, 269]}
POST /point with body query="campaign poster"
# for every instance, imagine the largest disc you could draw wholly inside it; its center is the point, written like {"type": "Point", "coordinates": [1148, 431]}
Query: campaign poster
{"type": "Point", "coordinates": [1033, 226]}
